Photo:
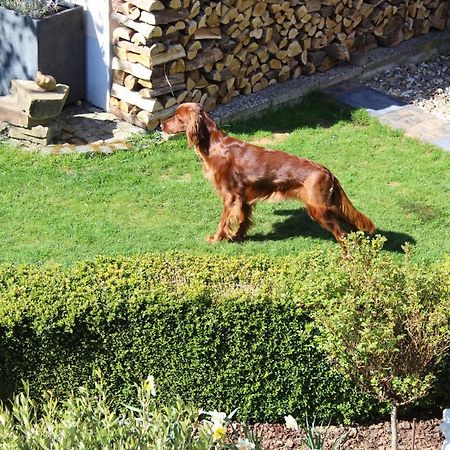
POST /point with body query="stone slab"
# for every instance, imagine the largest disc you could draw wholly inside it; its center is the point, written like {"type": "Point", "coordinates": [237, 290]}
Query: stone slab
{"type": "Point", "coordinates": [443, 143]}
{"type": "Point", "coordinates": [367, 98]}
{"type": "Point", "coordinates": [38, 131]}
{"type": "Point", "coordinates": [11, 113]}
{"type": "Point", "coordinates": [43, 136]}
{"type": "Point", "coordinates": [38, 103]}
{"type": "Point", "coordinates": [417, 123]}
{"type": "Point", "coordinates": [394, 113]}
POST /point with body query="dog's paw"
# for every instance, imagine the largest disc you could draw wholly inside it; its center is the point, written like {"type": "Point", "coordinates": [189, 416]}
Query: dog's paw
{"type": "Point", "coordinates": [237, 238]}
{"type": "Point", "coordinates": [211, 239]}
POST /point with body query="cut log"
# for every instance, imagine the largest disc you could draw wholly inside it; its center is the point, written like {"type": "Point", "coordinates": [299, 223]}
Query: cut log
{"type": "Point", "coordinates": [148, 120]}
{"type": "Point", "coordinates": [137, 70]}
{"type": "Point", "coordinates": [171, 53]}
{"type": "Point", "coordinates": [148, 31]}
{"type": "Point", "coordinates": [122, 33]}
{"type": "Point", "coordinates": [148, 5]}
{"type": "Point", "coordinates": [162, 81]}
{"type": "Point", "coordinates": [164, 17]}
{"type": "Point", "coordinates": [337, 51]}
{"type": "Point", "coordinates": [208, 56]}
{"type": "Point", "coordinates": [131, 82]}
{"type": "Point", "coordinates": [156, 92]}
{"type": "Point", "coordinates": [208, 33]}
{"type": "Point", "coordinates": [150, 50]}
{"type": "Point", "coordinates": [114, 109]}
{"type": "Point", "coordinates": [134, 98]}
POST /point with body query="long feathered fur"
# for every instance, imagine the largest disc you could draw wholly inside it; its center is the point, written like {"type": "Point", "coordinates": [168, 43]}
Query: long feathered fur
{"type": "Point", "coordinates": [243, 174]}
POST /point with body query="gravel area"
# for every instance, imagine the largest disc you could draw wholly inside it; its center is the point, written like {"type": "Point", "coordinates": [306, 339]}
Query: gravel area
{"type": "Point", "coordinates": [426, 85]}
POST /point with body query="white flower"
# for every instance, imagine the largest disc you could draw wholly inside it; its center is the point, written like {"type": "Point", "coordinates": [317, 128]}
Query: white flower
{"type": "Point", "coordinates": [291, 423]}
{"type": "Point", "coordinates": [245, 444]}
{"type": "Point", "coordinates": [149, 385]}
{"type": "Point", "coordinates": [218, 431]}
{"type": "Point", "coordinates": [216, 416]}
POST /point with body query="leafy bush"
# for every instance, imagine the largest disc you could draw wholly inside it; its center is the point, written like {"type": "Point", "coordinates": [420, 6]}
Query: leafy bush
{"type": "Point", "coordinates": [390, 327]}
{"type": "Point", "coordinates": [33, 8]}
{"type": "Point", "coordinates": [222, 332]}
{"type": "Point", "coordinates": [87, 419]}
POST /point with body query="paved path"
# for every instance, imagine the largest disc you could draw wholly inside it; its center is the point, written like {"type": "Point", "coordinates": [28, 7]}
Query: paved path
{"type": "Point", "coordinates": [390, 111]}
{"type": "Point", "coordinates": [85, 129]}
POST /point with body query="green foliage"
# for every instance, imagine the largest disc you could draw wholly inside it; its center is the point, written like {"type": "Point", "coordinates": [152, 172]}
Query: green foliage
{"type": "Point", "coordinates": [315, 438]}
{"type": "Point", "coordinates": [88, 419]}
{"type": "Point", "coordinates": [221, 332]}
{"type": "Point", "coordinates": [33, 8]}
{"type": "Point", "coordinates": [386, 326]}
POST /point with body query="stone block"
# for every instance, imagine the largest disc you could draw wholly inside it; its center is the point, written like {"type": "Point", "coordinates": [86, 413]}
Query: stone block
{"type": "Point", "coordinates": [36, 102]}
{"type": "Point", "coordinates": [39, 134]}
{"type": "Point", "coordinates": [11, 113]}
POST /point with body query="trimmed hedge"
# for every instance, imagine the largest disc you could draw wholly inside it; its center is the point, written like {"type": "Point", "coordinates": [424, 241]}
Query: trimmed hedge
{"type": "Point", "coordinates": [221, 332]}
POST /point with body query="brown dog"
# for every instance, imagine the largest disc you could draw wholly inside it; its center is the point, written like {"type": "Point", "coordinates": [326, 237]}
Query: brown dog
{"type": "Point", "coordinates": [244, 173]}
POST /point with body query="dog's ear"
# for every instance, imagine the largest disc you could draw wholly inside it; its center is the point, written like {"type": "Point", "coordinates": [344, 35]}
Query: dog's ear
{"type": "Point", "coordinates": [197, 131]}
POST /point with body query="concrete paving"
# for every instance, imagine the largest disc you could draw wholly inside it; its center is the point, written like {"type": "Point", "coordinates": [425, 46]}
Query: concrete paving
{"type": "Point", "coordinates": [394, 113]}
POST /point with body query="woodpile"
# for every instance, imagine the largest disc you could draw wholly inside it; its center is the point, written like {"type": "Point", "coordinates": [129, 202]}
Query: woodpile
{"type": "Point", "coordinates": [171, 51]}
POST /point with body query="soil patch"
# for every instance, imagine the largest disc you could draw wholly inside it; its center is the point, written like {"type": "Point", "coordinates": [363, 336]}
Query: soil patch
{"type": "Point", "coordinates": [413, 435]}
{"type": "Point", "coordinates": [267, 141]}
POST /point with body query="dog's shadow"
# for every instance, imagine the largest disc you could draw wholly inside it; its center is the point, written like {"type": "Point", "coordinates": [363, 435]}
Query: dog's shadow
{"type": "Point", "coordinates": [297, 223]}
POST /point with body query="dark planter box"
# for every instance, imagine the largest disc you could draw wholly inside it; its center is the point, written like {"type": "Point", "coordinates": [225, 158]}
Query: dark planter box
{"type": "Point", "coordinates": [55, 45]}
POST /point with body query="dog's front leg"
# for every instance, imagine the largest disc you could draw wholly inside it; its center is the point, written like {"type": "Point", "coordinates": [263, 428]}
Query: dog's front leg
{"type": "Point", "coordinates": [224, 227]}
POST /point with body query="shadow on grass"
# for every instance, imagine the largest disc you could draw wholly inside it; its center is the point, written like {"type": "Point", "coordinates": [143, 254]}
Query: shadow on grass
{"type": "Point", "coordinates": [316, 110]}
{"type": "Point", "coordinates": [298, 223]}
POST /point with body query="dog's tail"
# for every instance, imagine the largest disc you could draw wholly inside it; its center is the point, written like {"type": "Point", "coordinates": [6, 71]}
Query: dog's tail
{"type": "Point", "coordinates": [348, 211]}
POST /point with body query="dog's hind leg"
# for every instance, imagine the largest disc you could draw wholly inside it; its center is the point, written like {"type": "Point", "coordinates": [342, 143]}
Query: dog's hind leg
{"type": "Point", "coordinates": [329, 220]}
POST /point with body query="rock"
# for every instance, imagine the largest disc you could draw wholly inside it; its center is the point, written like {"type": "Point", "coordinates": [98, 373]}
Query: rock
{"type": "Point", "coordinates": [38, 135]}
{"type": "Point", "coordinates": [46, 82]}
{"type": "Point", "coordinates": [36, 102]}
{"type": "Point", "coordinates": [289, 443]}
{"type": "Point", "coordinates": [11, 113]}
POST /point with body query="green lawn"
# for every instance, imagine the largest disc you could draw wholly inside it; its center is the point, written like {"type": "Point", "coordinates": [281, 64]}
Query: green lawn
{"type": "Point", "coordinates": [67, 208]}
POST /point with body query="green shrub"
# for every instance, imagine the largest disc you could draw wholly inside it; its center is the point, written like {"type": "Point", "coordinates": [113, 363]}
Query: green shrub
{"type": "Point", "coordinates": [87, 419]}
{"type": "Point", "coordinates": [389, 328]}
{"type": "Point", "coordinates": [221, 332]}
{"type": "Point", "coordinates": [34, 8]}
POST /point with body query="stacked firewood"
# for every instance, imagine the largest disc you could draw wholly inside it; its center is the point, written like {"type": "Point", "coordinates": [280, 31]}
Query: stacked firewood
{"type": "Point", "coordinates": [172, 51]}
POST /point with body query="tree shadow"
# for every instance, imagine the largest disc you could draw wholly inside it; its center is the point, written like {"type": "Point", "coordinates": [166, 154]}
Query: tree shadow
{"type": "Point", "coordinates": [315, 110]}
{"type": "Point", "coordinates": [297, 223]}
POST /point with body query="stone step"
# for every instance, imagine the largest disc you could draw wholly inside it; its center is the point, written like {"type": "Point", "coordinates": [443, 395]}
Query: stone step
{"type": "Point", "coordinates": [36, 102]}
{"type": "Point", "coordinates": [39, 134]}
{"type": "Point", "coordinates": [13, 114]}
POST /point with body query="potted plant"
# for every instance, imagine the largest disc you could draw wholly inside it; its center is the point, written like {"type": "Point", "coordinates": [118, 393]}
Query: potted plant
{"type": "Point", "coordinates": [44, 35]}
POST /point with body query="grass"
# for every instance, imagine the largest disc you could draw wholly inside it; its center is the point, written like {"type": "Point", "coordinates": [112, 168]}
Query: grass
{"type": "Point", "coordinates": [66, 208]}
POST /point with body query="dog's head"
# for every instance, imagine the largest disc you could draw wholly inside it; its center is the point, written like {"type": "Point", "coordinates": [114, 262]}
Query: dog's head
{"type": "Point", "coordinates": [189, 118]}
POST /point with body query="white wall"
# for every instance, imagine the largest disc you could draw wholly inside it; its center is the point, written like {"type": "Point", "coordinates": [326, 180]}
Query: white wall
{"type": "Point", "coordinates": [98, 51]}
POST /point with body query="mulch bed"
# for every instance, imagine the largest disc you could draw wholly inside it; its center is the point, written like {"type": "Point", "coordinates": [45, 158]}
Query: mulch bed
{"type": "Point", "coordinates": [413, 435]}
